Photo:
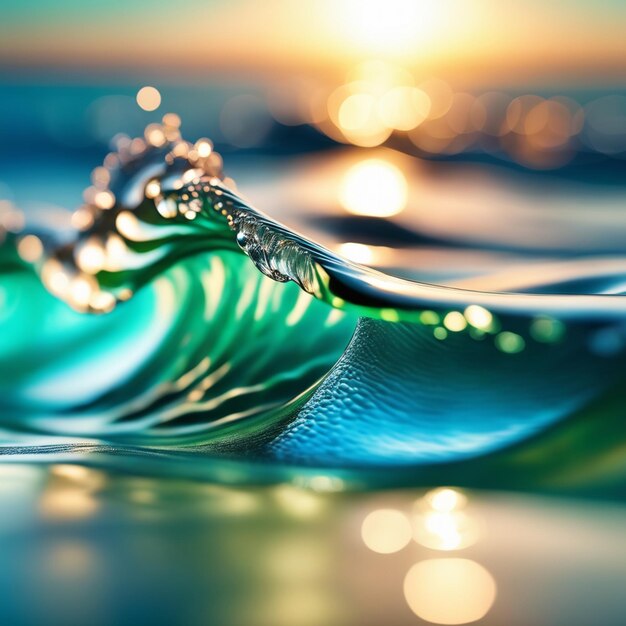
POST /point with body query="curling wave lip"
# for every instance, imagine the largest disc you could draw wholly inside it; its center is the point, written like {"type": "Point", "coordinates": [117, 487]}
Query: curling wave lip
{"type": "Point", "coordinates": [184, 183]}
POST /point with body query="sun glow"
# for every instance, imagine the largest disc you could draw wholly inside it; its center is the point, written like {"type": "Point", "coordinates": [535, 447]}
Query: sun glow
{"type": "Point", "coordinates": [375, 188]}
{"type": "Point", "coordinates": [395, 27]}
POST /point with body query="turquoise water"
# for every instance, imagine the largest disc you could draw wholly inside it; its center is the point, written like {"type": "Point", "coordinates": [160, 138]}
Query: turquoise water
{"type": "Point", "coordinates": [176, 328]}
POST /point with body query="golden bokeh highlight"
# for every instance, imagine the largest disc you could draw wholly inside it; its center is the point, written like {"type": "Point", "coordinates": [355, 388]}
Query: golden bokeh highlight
{"type": "Point", "coordinates": [404, 107]}
{"type": "Point", "coordinates": [386, 531]}
{"type": "Point", "coordinates": [90, 255]}
{"type": "Point", "coordinates": [155, 135]}
{"type": "Point", "coordinates": [72, 493]}
{"type": "Point", "coordinates": [381, 101]}
{"type": "Point", "coordinates": [104, 200]}
{"type": "Point", "coordinates": [374, 188]}
{"type": "Point", "coordinates": [441, 521]}
{"type": "Point", "coordinates": [298, 502]}
{"type": "Point", "coordinates": [30, 248]}
{"type": "Point", "coordinates": [455, 321]}
{"type": "Point", "coordinates": [149, 98]}
{"type": "Point", "coordinates": [357, 252]}
{"type": "Point", "coordinates": [445, 499]}
{"type": "Point", "coordinates": [153, 189]}
{"type": "Point", "coordinates": [478, 317]}
{"type": "Point", "coordinates": [449, 591]}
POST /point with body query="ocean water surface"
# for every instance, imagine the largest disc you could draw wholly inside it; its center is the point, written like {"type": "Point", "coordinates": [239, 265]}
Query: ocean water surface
{"type": "Point", "coordinates": [172, 327]}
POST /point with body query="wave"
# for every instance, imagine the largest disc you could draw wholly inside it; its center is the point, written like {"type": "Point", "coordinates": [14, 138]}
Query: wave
{"type": "Point", "coordinates": [226, 335]}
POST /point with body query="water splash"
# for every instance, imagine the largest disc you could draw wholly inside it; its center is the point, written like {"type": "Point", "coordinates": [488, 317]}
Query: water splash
{"type": "Point", "coordinates": [152, 197]}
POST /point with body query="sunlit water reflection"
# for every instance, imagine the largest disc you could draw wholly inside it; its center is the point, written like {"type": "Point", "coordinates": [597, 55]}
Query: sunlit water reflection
{"type": "Point", "coordinates": [94, 547]}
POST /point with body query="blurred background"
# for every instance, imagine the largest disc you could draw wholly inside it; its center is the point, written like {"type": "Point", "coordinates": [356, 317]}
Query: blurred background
{"type": "Point", "coordinates": [492, 102]}
{"type": "Point", "coordinates": [538, 85]}
{"type": "Point", "coordinates": [451, 106]}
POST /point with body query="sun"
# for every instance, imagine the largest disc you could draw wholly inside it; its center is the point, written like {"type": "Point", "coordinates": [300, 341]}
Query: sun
{"type": "Point", "coordinates": [392, 27]}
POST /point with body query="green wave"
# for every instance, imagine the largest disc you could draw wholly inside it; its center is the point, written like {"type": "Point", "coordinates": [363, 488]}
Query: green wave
{"type": "Point", "coordinates": [227, 343]}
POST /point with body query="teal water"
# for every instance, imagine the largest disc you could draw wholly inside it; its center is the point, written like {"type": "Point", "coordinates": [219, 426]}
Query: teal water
{"type": "Point", "coordinates": [176, 328]}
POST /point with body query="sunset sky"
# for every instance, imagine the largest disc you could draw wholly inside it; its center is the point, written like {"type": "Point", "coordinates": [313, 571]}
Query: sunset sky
{"type": "Point", "coordinates": [502, 42]}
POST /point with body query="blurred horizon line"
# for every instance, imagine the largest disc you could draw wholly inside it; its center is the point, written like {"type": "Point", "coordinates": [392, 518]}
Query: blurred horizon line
{"type": "Point", "coordinates": [551, 76]}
